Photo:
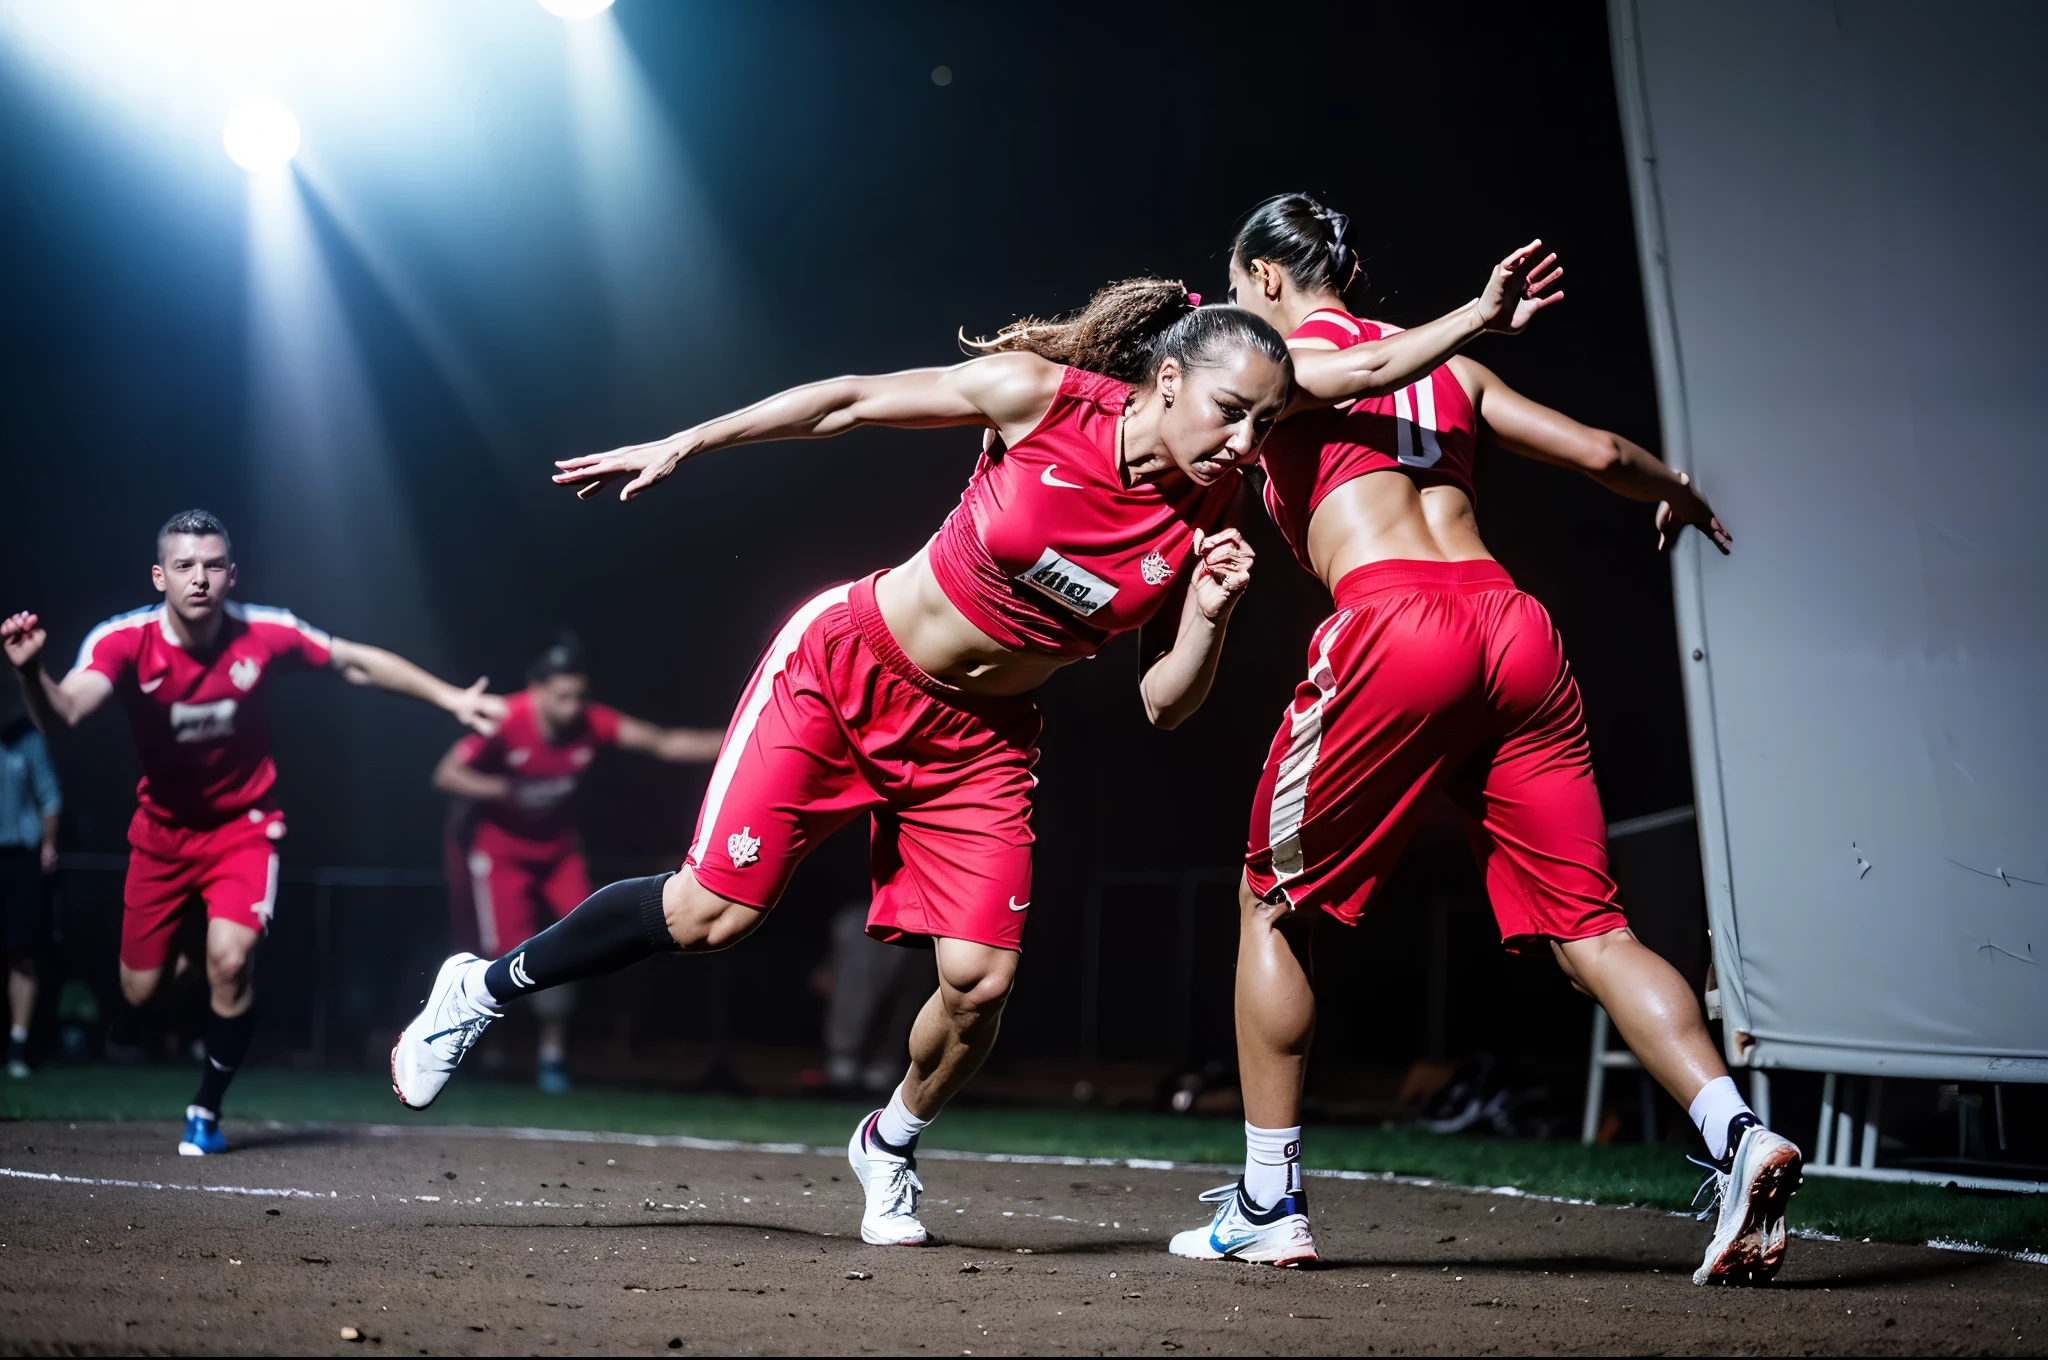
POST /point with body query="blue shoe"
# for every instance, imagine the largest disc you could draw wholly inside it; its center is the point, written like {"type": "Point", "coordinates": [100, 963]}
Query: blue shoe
{"type": "Point", "coordinates": [553, 1078]}
{"type": "Point", "coordinates": [203, 1137]}
{"type": "Point", "coordinates": [1240, 1231]}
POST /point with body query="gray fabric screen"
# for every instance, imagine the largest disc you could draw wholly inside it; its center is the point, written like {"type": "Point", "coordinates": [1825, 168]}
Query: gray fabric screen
{"type": "Point", "coordinates": [1842, 210]}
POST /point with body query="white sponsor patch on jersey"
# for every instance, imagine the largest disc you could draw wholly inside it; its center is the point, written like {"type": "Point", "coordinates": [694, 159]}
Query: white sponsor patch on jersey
{"type": "Point", "coordinates": [1075, 587]}
{"type": "Point", "coordinates": [203, 722]}
{"type": "Point", "coordinates": [544, 793]}
{"type": "Point", "coordinates": [743, 848]}
{"type": "Point", "coordinates": [244, 673]}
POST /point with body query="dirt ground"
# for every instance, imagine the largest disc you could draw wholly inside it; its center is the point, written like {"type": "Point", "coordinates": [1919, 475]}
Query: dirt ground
{"type": "Point", "coordinates": [427, 1241]}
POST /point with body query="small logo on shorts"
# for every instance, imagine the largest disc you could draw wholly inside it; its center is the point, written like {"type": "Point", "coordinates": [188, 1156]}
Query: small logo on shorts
{"type": "Point", "coordinates": [520, 977]}
{"type": "Point", "coordinates": [1156, 570]}
{"type": "Point", "coordinates": [1015, 905]}
{"type": "Point", "coordinates": [743, 848]}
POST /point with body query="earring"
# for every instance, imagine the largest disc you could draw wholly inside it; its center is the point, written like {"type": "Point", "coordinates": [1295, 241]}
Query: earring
{"type": "Point", "coordinates": [1167, 397]}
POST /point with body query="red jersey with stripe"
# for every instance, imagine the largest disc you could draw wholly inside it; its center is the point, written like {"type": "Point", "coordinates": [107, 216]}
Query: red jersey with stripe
{"type": "Point", "coordinates": [201, 723]}
{"type": "Point", "coordinates": [1427, 430]}
{"type": "Point", "coordinates": [1049, 551]}
{"type": "Point", "coordinates": [545, 773]}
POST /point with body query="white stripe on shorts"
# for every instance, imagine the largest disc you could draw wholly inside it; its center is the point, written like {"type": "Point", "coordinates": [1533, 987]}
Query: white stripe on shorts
{"type": "Point", "coordinates": [1290, 787]}
{"type": "Point", "coordinates": [480, 899]}
{"type": "Point", "coordinates": [751, 704]}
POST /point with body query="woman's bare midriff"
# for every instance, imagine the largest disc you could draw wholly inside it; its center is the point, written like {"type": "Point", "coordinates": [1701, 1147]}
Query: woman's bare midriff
{"type": "Point", "coordinates": [940, 641]}
{"type": "Point", "coordinates": [1383, 516]}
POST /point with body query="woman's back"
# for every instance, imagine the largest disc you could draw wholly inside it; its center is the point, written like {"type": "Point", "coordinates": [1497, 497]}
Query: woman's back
{"type": "Point", "coordinates": [1382, 478]}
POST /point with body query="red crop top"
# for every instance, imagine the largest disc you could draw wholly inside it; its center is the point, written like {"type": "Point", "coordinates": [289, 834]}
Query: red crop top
{"type": "Point", "coordinates": [1049, 551]}
{"type": "Point", "coordinates": [1427, 430]}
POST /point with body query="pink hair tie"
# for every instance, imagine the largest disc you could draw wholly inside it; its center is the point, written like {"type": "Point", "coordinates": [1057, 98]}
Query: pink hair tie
{"type": "Point", "coordinates": [1194, 299]}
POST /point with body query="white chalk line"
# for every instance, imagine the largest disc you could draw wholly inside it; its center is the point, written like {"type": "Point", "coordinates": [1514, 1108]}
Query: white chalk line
{"type": "Point", "coordinates": [529, 1134]}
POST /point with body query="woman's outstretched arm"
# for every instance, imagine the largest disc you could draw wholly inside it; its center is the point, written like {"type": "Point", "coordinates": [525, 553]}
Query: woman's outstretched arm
{"type": "Point", "coordinates": [1623, 466]}
{"type": "Point", "coordinates": [1518, 288]}
{"type": "Point", "coordinates": [1009, 393]}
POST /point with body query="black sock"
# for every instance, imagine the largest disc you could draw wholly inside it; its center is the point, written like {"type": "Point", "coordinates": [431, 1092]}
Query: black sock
{"type": "Point", "coordinates": [620, 923]}
{"type": "Point", "coordinates": [227, 1043]}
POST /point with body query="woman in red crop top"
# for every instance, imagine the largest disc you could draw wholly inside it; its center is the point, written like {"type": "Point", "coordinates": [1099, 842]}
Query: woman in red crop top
{"type": "Point", "coordinates": [1436, 674]}
{"type": "Point", "coordinates": [906, 695]}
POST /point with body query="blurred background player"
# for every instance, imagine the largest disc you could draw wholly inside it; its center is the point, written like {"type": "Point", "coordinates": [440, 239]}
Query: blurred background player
{"type": "Point", "coordinates": [872, 992]}
{"type": "Point", "coordinates": [192, 675]}
{"type": "Point", "coordinates": [521, 862]}
{"type": "Point", "coordinates": [29, 805]}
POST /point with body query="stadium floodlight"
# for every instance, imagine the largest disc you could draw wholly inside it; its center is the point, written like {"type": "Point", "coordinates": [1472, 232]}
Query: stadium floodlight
{"type": "Point", "coordinates": [261, 135]}
{"type": "Point", "coordinates": [575, 9]}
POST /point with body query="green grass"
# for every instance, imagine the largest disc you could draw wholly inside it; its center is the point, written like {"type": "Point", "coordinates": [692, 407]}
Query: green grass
{"type": "Point", "coordinates": [1654, 1177]}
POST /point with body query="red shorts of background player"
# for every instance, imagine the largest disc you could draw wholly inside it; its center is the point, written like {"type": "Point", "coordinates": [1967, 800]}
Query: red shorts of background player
{"type": "Point", "coordinates": [837, 722]}
{"type": "Point", "coordinates": [520, 887]}
{"type": "Point", "coordinates": [1436, 675]}
{"type": "Point", "coordinates": [232, 867]}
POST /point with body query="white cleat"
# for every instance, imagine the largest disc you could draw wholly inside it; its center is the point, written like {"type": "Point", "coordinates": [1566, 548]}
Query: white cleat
{"type": "Point", "coordinates": [429, 1049]}
{"type": "Point", "coordinates": [1749, 1208]}
{"type": "Point", "coordinates": [891, 1186]}
{"type": "Point", "coordinates": [1241, 1231]}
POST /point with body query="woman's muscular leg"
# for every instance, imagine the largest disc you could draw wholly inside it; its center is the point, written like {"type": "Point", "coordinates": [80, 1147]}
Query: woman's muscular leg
{"type": "Point", "coordinates": [1276, 1008]}
{"type": "Point", "coordinates": [619, 925]}
{"type": "Point", "coordinates": [1659, 1019]}
{"type": "Point", "coordinates": [957, 1027]}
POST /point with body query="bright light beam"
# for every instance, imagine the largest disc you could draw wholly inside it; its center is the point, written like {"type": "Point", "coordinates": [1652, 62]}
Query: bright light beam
{"type": "Point", "coordinates": [668, 278]}
{"type": "Point", "coordinates": [575, 9]}
{"type": "Point", "coordinates": [261, 135]}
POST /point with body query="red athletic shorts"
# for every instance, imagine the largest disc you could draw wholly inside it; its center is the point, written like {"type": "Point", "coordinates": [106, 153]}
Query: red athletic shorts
{"type": "Point", "coordinates": [1436, 675]}
{"type": "Point", "coordinates": [837, 722]}
{"type": "Point", "coordinates": [233, 867]}
{"type": "Point", "coordinates": [519, 887]}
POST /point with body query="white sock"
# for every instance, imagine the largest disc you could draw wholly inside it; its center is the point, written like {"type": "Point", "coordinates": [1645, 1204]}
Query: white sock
{"type": "Point", "coordinates": [18, 1033]}
{"type": "Point", "coordinates": [200, 1112]}
{"type": "Point", "coordinates": [898, 1127]}
{"type": "Point", "coordinates": [1716, 1104]}
{"type": "Point", "coordinates": [473, 989]}
{"type": "Point", "coordinates": [1272, 1163]}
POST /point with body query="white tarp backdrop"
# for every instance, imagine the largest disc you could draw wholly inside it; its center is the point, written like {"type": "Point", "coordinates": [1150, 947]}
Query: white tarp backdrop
{"type": "Point", "coordinates": [1843, 215]}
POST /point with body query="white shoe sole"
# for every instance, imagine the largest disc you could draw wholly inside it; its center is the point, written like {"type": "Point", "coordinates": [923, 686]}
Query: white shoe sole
{"type": "Point", "coordinates": [191, 1150]}
{"type": "Point", "coordinates": [859, 1163]}
{"type": "Point", "coordinates": [1752, 1253]}
{"type": "Point", "coordinates": [1288, 1255]}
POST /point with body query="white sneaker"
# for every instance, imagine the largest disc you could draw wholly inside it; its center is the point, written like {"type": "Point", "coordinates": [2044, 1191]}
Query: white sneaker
{"type": "Point", "coordinates": [891, 1185]}
{"type": "Point", "coordinates": [1749, 1204]}
{"type": "Point", "coordinates": [1241, 1231]}
{"type": "Point", "coordinates": [428, 1050]}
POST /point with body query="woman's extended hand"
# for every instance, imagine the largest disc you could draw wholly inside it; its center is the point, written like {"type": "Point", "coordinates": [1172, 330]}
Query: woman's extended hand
{"type": "Point", "coordinates": [645, 464]}
{"type": "Point", "coordinates": [1689, 507]}
{"type": "Point", "coordinates": [1223, 568]}
{"type": "Point", "coordinates": [1516, 291]}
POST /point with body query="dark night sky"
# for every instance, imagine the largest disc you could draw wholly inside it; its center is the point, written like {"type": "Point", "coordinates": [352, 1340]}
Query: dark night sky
{"type": "Point", "coordinates": [863, 213]}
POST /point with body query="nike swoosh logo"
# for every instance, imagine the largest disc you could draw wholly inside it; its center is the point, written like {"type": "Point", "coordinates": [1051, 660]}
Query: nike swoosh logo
{"type": "Point", "coordinates": [1050, 478]}
{"type": "Point", "coordinates": [1015, 907]}
{"type": "Point", "coordinates": [151, 686]}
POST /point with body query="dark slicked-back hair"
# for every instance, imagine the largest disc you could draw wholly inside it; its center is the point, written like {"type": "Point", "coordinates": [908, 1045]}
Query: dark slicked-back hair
{"type": "Point", "coordinates": [1302, 237]}
{"type": "Point", "coordinates": [200, 522]}
{"type": "Point", "coordinates": [563, 656]}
